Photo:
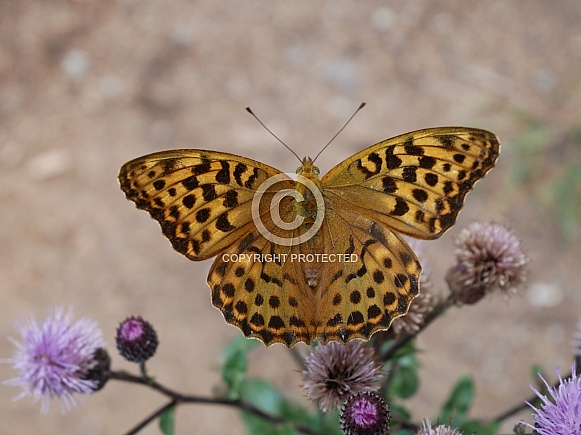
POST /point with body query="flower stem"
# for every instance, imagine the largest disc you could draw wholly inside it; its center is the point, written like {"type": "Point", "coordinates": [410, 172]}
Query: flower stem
{"type": "Point", "coordinates": [143, 369]}
{"type": "Point", "coordinates": [182, 398]}
{"type": "Point", "coordinates": [151, 417]}
{"type": "Point", "coordinates": [434, 313]}
{"type": "Point", "coordinates": [534, 399]}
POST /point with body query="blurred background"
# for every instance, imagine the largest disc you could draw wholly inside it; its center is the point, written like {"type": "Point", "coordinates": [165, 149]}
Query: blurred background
{"type": "Point", "coordinates": [88, 85]}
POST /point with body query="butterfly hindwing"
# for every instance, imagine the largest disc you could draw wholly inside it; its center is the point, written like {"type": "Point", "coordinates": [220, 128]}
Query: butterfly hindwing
{"type": "Point", "coordinates": [364, 295]}
{"type": "Point", "coordinates": [262, 292]}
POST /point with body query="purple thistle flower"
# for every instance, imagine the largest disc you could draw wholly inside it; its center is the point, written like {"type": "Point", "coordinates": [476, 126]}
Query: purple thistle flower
{"type": "Point", "coordinates": [560, 413]}
{"type": "Point", "coordinates": [56, 359]}
{"type": "Point", "coordinates": [427, 429]}
{"type": "Point", "coordinates": [365, 414]}
{"type": "Point", "coordinates": [136, 339]}
{"type": "Point", "coordinates": [489, 257]}
{"type": "Point", "coordinates": [335, 372]}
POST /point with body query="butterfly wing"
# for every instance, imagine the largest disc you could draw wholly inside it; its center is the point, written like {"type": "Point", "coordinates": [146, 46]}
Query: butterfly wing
{"type": "Point", "coordinates": [202, 199]}
{"type": "Point", "coordinates": [361, 297]}
{"type": "Point", "coordinates": [265, 296]}
{"type": "Point", "coordinates": [415, 183]}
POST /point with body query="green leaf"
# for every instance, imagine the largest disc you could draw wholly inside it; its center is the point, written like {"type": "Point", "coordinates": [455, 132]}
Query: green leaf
{"type": "Point", "coordinates": [262, 394]}
{"type": "Point", "coordinates": [478, 427]}
{"type": "Point", "coordinates": [167, 420]}
{"type": "Point", "coordinates": [238, 344]}
{"type": "Point", "coordinates": [235, 364]}
{"type": "Point", "coordinates": [327, 423]}
{"type": "Point", "coordinates": [398, 412]}
{"type": "Point", "coordinates": [404, 371]}
{"type": "Point", "coordinates": [404, 383]}
{"type": "Point", "coordinates": [259, 426]}
{"type": "Point", "coordinates": [458, 404]}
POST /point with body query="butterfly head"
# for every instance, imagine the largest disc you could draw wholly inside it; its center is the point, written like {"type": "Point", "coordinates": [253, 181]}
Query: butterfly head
{"type": "Point", "coordinates": [308, 169]}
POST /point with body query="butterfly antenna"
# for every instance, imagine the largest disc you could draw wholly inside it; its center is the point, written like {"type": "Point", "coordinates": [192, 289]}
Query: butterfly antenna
{"type": "Point", "coordinates": [249, 110]}
{"type": "Point", "coordinates": [361, 106]}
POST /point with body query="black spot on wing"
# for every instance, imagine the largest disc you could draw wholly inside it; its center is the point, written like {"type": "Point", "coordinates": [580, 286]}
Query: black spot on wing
{"type": "Point", "coordinates": [355, 318]}
{"type": "Point", "coordinates": [409, 174]}
{"type": "Point", "coordinates": [401, 207]}
{"type": "Point", "coordinates": [223, 175]}
{"type": "Point", "coordinates": [447, 141]}
{"type": "Point", "coordinates": [203, 215]}
{"type": "Point", "coordinates": [392, 161]}
{"type": "Point", "coordinates": [190, 183]}
{"type": "Point", "coordinates": [276, 322]}
{"type": "Point", "coordinates": [209, 192]}
{"type": "Point", "coordinates": [376, 160]}
{"type": "Point", "coordinates": [238, 171]}
{"type": "Point", "coordinates": [189, 200]}
{"type": "Point", "coordinates": [459, 158]}
{"type": "Point", "coordinates": [427, 162]}
{"type": "Point", "coordinates": [202, 168]}
{"type": "Point", "coordinates": [257, 319]}
{"type": "Point", "coordinates": [431, 179]}
{"type": "Point", "coordinates": [389, 185]}
{"type": "Point", "coordinates": [420, 195]}
{"type": "Point", "coordinates": [388, 299]}
{"type": "Point", "coordinates": [223, 224]}
{"type": "Point", "coordinates": [159, 184]}
{"type": "Point", "coordinates": [274, 302]}
{"type": "Point", "coordinates": [231, 199]}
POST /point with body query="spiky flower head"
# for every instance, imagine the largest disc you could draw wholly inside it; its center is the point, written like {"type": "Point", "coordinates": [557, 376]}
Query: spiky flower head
{"type": "Point", "coordinates": [365, 414]}
{"type": "Point", "coordinates": [136, 339]}
{"type": "Point", "coordinates": [489, 257]}
{"type": "Point", "coordinates": [422, 303]}
{"type": "Point", "coordinates": [560, 411]}
{"type": "Point", "coordinates": [58, 359]}
{"type": "Point", "coordinates": [335, 371]}
{"type": "Point", "coordinates": [427, 429]}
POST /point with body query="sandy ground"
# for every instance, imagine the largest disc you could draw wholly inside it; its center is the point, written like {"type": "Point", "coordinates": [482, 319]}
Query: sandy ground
{"type": "Point", "coordinates": [87, 85]}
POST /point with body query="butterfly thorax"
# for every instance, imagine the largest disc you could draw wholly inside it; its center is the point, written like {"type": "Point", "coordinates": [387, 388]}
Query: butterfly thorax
{"type": "Point", "coordinates": [308, 207]}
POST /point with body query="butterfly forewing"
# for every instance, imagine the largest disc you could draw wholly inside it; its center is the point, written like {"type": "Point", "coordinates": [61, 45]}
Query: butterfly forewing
{"type": "Point", "coordinates": [415, 183]}
{"type": "Point", "coordinates": [201, 199]}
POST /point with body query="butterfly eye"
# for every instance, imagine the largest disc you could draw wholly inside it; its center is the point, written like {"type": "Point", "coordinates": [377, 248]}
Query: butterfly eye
{"type": "Point", "coordinates": [316, 170]}
{"type": "Point", "coordinates": [300, 170]}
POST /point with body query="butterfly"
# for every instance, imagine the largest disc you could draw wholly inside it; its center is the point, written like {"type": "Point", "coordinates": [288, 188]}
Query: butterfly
{"type": "Point", "coordinates": [313, 258]}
